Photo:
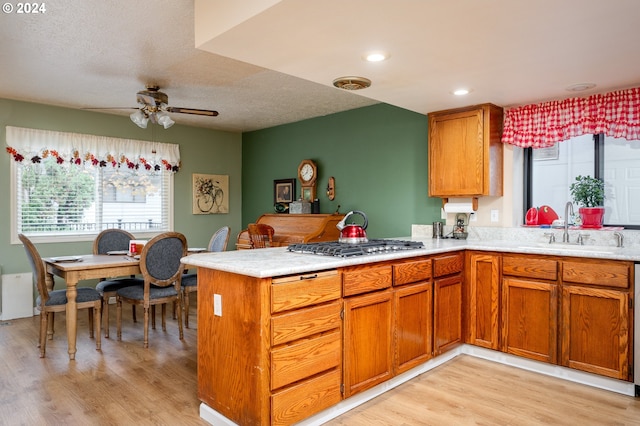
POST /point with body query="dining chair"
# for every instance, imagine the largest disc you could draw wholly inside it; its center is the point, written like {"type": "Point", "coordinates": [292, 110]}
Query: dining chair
{"type": "Point", "coordinates": [162, 274]}
{"type": "Point", "coordinates": [260, 235]}
{"type": "Point", "coordinates": [50, 301]}
{"type": "Point", "coordinates": [217, 243]}
{"type": "Point", "coordinates": [110, 240]}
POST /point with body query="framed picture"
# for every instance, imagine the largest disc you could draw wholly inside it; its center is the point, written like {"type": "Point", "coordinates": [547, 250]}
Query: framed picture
{"type": "Point", "coordinates": [284, 191]}
{"type": "Point", "coordinates": [210, 194]}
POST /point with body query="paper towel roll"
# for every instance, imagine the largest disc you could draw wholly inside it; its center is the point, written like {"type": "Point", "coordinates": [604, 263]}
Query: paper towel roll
{"type": "Point", "coordinates": [458, 207]}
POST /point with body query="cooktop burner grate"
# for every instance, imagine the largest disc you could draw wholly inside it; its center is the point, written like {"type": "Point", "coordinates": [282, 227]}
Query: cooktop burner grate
{"type": "Point", "coordinates": [334, 248]}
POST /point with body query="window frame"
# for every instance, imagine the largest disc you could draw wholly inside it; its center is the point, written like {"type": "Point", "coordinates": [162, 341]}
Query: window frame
{"type": "Point", "coordinates": [84, 236]}
{"type": "Point", "coordinates": [598, 161]}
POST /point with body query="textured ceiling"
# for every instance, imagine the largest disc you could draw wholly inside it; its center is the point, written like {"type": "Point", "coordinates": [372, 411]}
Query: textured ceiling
{"type": "Point", "coordinates": [277, 67]}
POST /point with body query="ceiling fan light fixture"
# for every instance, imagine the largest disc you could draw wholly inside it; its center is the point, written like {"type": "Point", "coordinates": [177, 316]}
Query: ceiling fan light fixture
{"type": "Point", "coordinates": [165, 120]}
{"type": "Point", "coordinates": [140, 119]}
{"type": "Point", "coordinates": [352, 83]}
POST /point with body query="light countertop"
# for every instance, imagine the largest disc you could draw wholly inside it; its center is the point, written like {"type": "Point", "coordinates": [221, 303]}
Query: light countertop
{"type": "Point", "coordinates": [272, 262]}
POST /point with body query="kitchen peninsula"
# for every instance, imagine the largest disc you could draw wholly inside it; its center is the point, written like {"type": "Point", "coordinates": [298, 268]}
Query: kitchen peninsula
{"type": "Point", "coordinates": [283, 336]}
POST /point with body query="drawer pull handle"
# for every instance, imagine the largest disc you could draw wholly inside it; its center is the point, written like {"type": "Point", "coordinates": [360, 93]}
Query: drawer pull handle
{"type": "Point", "coordinates": [309, 277]}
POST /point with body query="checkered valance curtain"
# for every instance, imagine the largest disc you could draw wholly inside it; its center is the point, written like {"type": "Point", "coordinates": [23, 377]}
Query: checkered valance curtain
{"type": "Point", "coordinates": [615, 114]}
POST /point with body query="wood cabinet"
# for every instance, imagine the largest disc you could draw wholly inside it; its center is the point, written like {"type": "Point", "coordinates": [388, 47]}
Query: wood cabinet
{"type": "Point", "coordinates": [447, 302]}
{"type": "Point", "coordinates": [465, 152]}
{"type": "Point", "coordinates": [273, 353]}
{"type": "Point", "coordinates": [368, 326]}
{"type": "Point", "coordinates": [388, 330]}
{"type": "Point", "coordinates": [596, 329]}
{"type": "Point", "coordinates": [281, 349]}
{"type": "Point", "coordinates": [306, 345]}
{"type": "Point", "coordinates": [413, 313]}
{"type": "Point", "coordinates": [530, 307]}
{"type": "Point", "coordinates": [368, 351]}
{"type": "Point", "coordinates": [483, 286]}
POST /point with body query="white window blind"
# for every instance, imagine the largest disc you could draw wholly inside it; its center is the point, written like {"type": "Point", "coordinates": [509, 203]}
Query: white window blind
{"type": "Point", "coordinates": [68, 200]}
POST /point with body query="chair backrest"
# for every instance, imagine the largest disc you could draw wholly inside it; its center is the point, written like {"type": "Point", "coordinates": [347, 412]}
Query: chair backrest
{"type": "Point", "coordinates": [261, 235]}
{"type": "Point", "coordinates": [111, 240]}
{"type": "Point", "coordinates": [38, 268]}
{"type": "Point", "coordinates": [219, 239]}
{"type": "Point", "coordinates": [160, 259]}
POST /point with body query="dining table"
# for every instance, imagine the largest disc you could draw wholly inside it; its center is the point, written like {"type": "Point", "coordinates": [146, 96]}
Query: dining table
{"type": "Point", "coordinates": [73, 269]}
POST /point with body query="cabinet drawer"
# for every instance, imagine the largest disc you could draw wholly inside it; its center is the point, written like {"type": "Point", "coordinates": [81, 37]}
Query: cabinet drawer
{"type": "Point", "coordinates": [304, 399]}
{"type": "Point", "coordinates": [530, 267]}
{"type": "Point", "coordinates": [603, 273]}
{"type": "Point", "coordinates": [363, 279]}
{"type": "Point", "coordinates": [411, 271]}
{"type": "Point", "coordinates": [304, 290]}
{"type": "Point", "coordinates": [447, 265]}
{"type": "Point", "coordinates": [295, 325]}
{"type": "Point", "coordinates": [305, 358]}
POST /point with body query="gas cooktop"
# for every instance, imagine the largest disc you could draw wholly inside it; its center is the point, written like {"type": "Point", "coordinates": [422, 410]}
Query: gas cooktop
{"type": "Point", "coordinates": [334, 248]}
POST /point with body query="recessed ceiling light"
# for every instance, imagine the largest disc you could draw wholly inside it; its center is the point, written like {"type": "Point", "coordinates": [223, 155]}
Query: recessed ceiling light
{"type": "Point", "coordinates": [461, 92]}
{"type": "Point", "coordinates": [376, 56]}
{"type": "Point", "coordinates": [580, 87]}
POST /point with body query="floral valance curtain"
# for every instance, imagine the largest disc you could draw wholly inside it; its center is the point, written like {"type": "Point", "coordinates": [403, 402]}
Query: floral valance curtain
{"type": "Point", "coordinates": [33, 145]}
{"type": "Point", "coordinates": [615, 114]}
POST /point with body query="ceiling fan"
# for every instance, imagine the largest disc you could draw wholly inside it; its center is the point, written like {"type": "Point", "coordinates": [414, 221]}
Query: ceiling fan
{"type": "Point", "coordinates": [153, 105]}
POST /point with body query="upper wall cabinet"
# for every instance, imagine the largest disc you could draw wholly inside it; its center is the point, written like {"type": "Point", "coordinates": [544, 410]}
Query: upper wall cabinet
{"type": "Point", "coordinates": [465, 152]}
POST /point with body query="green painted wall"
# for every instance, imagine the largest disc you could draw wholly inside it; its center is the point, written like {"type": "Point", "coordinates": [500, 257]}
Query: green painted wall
{"type": "Point", "coordinates": [201, 150]}
{"type": "Point", "coordinates": [377, 154]}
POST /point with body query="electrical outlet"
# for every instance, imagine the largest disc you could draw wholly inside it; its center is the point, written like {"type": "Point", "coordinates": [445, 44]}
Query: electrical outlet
{"type": "Point", "coordinates": [443, 215]}
{"type": "Point", "coordinates": [473, 217]}
{"type": "Point", "coordinates": [495, 215]}
{"type": "Point", "coordinates": [217, 305]}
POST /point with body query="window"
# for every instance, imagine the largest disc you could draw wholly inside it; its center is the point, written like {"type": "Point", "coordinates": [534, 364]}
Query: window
{"type": "Point", "coordinates": [550, 171]}
{"type": "Point", "coordinates": [71, 186]}
{"type": "Point", "coordinates": [53, 201]}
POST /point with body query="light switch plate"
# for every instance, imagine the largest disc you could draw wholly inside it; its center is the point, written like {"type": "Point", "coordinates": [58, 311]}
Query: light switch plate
{"type": "Point", "coordinates": [217, 305]}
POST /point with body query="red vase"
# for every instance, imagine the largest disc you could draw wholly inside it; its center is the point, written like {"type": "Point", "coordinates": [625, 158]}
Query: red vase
{"type": "Point", "coordinates": [592, 217]}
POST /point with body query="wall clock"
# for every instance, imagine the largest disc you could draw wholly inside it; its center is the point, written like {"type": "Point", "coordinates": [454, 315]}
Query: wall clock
{"type": "Point", "coordinates": [308, 175]}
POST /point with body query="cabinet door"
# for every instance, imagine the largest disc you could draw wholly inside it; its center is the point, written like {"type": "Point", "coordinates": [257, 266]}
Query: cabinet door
{"type": "Point", "coordinates": [413, 325]}
{"type": "Point", "coordinates": [595, 331]}
{"type": "Point", "coordinates": [484, 292]}
{"type": "Point", "coordinates": [447, 313]}
{"type": "Point", "coordinates": [530, 319]}
{"type": "Point", "coordinates": [456, 154]}
{"type": "Point", "coordinates": [367, 341]}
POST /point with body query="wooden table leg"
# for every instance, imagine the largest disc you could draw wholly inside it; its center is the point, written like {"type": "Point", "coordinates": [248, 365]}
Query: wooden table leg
{"type": "Point", "coordinates": [50, 283]}
{"type": "Point", "coordinates": [72, 317]}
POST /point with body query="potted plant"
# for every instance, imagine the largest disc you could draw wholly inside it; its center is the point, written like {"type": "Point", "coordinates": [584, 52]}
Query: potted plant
{"type": "Point", "coordinates": [588, 193]}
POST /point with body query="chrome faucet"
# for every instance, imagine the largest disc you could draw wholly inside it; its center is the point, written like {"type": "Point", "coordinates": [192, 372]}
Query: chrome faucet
{"type": "Point", "coordinates": [619, 239]}
{"type": "Point", "coordinates": [565, 234]}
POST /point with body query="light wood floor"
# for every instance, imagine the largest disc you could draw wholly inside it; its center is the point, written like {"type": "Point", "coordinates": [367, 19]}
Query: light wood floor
{"type": "Point", "coordinates": [125, 384]}
{"type": "Point", "coordinates": [473, 391]}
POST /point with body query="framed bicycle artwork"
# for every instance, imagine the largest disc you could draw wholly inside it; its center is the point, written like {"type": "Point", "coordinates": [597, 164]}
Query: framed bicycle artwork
{"type": "Point", "coordinates": [210, 194]}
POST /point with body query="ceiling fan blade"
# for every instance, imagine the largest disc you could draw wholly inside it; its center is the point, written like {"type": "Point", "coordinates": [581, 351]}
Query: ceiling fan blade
{"type": "Point", "coordinates": [111, 108]}
{"type": "Point", "coordinates": [193, 111]}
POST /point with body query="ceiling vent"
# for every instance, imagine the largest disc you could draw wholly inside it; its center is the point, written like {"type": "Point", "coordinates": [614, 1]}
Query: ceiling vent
{"type": "Point", "coordinates": [352, 83]}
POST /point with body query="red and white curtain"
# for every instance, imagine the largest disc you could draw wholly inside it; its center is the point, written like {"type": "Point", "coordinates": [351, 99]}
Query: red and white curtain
{"type": "Point", "coordinates": [615, 114]}
{"type": "Point", "coordinates": [34, 145]}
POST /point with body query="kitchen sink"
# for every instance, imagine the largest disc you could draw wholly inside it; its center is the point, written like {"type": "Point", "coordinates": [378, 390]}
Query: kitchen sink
{"type": "Point", "coordinates": [573, 247]}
